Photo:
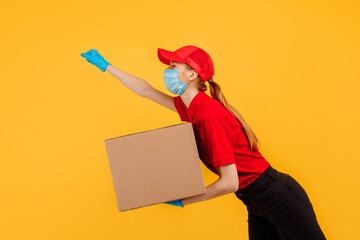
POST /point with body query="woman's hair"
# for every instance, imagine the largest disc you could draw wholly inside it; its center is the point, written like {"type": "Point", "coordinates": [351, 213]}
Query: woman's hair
{"type": "Point", "coordinates": [217, 94]}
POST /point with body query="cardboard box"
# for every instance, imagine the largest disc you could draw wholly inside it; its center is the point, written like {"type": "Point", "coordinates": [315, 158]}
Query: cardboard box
{"type": "Point", "coordinates": [155, 166]}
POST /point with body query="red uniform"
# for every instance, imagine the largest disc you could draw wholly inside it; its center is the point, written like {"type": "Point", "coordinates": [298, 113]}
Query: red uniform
{"type": "Point", "coordinates": [220, 139]}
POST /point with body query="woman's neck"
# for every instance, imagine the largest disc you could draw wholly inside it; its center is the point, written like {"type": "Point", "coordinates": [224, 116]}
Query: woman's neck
{"type": "Point", "coordinates": [188, 96]}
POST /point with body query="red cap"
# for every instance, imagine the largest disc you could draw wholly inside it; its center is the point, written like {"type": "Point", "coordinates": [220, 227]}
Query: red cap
{"type": "Point", "coordinates": [194, 56]}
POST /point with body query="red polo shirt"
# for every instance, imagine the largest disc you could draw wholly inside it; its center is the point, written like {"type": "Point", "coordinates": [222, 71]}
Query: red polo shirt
{"type": "Point", "coordinates": [220, 139]}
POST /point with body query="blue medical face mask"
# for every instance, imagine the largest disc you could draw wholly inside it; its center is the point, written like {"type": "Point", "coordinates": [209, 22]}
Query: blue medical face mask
{"type": "Point", "coordinates": [172, 81]}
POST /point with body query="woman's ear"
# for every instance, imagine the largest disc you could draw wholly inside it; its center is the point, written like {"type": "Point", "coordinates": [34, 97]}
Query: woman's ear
{"type": "Point", "coordinates": [193, 75]}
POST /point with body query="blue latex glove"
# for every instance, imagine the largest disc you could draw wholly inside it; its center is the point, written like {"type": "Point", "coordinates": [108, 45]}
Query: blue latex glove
{"type": "Point", "coordinates": [175, 203]}
{"type": "Point", "coordinates": [94, 57]}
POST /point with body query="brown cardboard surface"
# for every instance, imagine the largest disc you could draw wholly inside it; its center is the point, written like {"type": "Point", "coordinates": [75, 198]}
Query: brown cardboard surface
{"type": "Point", "coordinates": [155, 166]}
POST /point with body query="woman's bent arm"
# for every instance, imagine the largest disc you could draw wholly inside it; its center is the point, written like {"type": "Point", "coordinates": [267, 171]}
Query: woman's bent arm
{"type": "Point", "coordinates": [137, 85]}
{"type": "Point", "coordinates": [216, 189]}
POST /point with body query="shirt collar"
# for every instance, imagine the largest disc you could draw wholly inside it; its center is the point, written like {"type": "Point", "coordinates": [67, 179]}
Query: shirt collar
{"type": "Point", "coordinates": [195, 103]}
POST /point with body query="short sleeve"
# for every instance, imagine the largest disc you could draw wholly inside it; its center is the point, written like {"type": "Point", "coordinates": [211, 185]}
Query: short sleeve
{"type": "Point", "coordinates": [217, 143]}
{"type": "Point", "coordinates": [179, 105]}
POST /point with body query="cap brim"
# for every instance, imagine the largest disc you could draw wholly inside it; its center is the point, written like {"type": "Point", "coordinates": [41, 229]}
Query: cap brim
{"type": "Point", "coordinates": [166, 56]}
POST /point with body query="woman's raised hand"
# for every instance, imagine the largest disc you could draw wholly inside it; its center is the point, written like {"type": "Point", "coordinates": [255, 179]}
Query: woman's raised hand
{"type": "Point", "coordinates": [94, 57]}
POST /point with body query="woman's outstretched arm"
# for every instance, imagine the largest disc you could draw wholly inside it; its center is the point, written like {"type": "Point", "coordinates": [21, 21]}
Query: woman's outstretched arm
{"type": "Point", "coordinates": [142, 88]}
{"type": "Point", "coordinates": [137, 85]}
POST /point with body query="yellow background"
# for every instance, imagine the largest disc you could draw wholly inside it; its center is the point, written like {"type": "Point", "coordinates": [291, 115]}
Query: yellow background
{"type": "Point", "coordinates": [291, 68]}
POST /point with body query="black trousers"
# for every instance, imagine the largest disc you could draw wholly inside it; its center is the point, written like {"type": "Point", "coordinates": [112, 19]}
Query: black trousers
{"type": "Point", "coordinates": [279, 208]}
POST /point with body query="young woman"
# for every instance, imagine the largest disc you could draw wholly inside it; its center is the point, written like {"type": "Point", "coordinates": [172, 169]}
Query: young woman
{"type": "Point", "coordinates": [278, 207]}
